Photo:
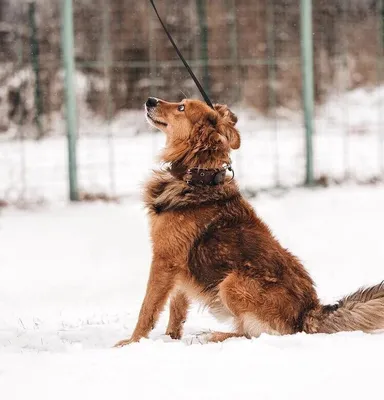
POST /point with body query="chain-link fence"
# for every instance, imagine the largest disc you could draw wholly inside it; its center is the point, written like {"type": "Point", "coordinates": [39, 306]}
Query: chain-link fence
{"type": "Point", "coordinates": [247, 54]}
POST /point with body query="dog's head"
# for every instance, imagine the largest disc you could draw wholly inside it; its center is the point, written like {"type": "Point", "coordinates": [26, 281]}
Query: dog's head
{"type": "Point", "coordinates": [197, 135]}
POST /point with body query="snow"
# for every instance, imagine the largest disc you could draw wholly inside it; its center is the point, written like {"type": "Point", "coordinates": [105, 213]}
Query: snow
{"type": "Point", "coordinates": [73, 278]}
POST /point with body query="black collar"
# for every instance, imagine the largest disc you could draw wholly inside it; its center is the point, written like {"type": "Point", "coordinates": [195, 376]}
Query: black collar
{"type": "Point", "coordinates": [201, 176]}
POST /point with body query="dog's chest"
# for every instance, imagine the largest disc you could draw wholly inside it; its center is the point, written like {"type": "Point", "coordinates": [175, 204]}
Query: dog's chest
{"type": "Point", "coordinates": [173, 233]}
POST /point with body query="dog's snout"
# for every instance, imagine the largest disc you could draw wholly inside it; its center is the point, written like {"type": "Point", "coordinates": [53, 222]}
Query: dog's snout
{"type": "Point", "coordinates": [151, 102]}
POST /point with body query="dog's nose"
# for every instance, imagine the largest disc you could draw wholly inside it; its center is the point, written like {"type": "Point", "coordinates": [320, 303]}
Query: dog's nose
{"type": "Point", "coordinates": [151, 102]}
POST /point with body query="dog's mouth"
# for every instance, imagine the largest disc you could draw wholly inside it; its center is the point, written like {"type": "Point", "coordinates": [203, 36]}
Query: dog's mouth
{"type": "Point", "coordinates": [156, 121]}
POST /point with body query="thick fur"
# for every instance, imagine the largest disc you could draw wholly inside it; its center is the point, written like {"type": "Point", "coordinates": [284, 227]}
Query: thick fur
{"type": "Point", "coordinates": [362, 310]}
{"type": "Point", "coordinates": [209, 245]}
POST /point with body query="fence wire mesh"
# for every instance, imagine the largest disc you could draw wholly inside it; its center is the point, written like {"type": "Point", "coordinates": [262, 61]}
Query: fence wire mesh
{"type": "Point", "coordinates": [246, 53]}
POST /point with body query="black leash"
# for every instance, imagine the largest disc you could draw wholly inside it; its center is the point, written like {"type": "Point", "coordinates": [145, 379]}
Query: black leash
{"type": "Point", "coordinates": [205, 96]}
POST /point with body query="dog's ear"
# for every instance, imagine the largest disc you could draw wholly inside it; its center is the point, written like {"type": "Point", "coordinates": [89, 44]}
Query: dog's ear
{"type": "Point", "coordinates": [225, 112]}
{"type": "Point", "coordinates": [225, 124]}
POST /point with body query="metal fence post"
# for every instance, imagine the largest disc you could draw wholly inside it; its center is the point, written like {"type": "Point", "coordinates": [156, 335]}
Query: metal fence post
{"type": "Point", "coordinates": [70, 95]}
{"type": "Point", "coordinates": [380, 11]}
{"type": "Point", "coordinates": [34, 42]}
{"type": "Point", "coordinates": [232, 25]}
{"type": "Point", "coordinates": [201, 14]}
{"type": "Point", "coordinates": [307, 82]}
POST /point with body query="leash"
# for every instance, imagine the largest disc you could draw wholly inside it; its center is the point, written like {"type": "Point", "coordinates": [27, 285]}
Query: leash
{"type": "Point", "coordinates": [193, 76]}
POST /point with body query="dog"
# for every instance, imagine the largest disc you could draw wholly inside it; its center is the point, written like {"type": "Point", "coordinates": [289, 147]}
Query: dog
{"type": "Point", "coordinates": [209, 245]}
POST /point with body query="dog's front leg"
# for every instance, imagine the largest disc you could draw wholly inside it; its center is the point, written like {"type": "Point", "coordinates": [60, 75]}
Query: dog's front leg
{"type": "Point", "coordinates": [178, 310]}
{"type": "Point", "coordinates": [160, 284]}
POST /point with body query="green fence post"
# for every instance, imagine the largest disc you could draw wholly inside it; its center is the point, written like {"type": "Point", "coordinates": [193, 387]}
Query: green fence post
{"type": "Point", "coordinates": [70, 95]}
{"type": "Point", "coordinates": [380, 11]}
{"type": "Point", "coordinates": [272, 98]}
{"type": "Point", "coordinates": [34, 43]}
{"type": "Point", "coordinates": [232, 25]}
{"type": "Point", "coordinates": [307, 82]}
{"type": "Point", "coordinates": [201, 14]}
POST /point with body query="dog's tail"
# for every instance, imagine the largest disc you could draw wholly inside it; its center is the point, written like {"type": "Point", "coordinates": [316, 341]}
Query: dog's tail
{"type": "Point", "coordinates": [360, 311]}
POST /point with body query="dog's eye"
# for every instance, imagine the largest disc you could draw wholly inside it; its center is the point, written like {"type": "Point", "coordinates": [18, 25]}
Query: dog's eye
{"type": "Point", "coordinates": [181, 107]}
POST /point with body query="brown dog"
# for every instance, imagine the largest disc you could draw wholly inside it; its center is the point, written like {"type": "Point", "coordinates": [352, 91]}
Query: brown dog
{"type": "Point", "coordinates": [209, 245]}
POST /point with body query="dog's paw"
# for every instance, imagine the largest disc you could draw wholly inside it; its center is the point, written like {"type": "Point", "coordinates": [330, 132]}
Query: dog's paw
{"type": "Point", "coordinates": [174, 334]}
{"type": "Point", "coordinates": [215, 337]}
{"type": "Point", "coordinates": [125, 342]}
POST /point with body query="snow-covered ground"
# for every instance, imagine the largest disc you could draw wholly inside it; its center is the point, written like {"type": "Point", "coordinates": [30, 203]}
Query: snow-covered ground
{"type": "Point", "coordinates": [73, 277]}
{"type": "Point", "coordinates": [115, 159]}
